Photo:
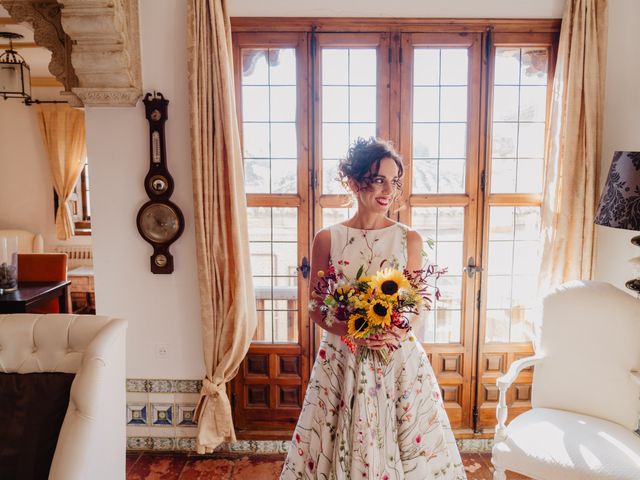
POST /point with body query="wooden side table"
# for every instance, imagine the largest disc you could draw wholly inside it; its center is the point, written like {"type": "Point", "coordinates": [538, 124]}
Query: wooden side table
{"type": "Point", "coordinates": [82, 291]}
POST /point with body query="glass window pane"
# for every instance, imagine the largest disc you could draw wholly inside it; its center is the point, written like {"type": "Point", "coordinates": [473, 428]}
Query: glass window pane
{"type": "Point", "coordinates": [284, 176]}
{"type": "Point", "coordinates": [453, 106]}
{"type": "Point", "coordinates": [273, 246]}
{"type": "Point", "coordinates": [331, 216]}
{"type": "Point", "coordinates": [453, 140]}
{"type": "Point", "coordinates": [426, 104]}
{"type": "Point", "coordinates": [255, 70]}
{"type": "Point", "coordinates": [447, 326]}
{"type": "Point", "coordinates": [451, 176]}
{"type": "Point", "coordinates": [255, 103]}
{"type": "Point", "coordinates": [533, 103]}
{"type": "Point", "coordinates": [283, 104]}
{"type": "Point", "coordinates": [330, 181]}
{"type": "Point", "coordinates": [362, 66]}
{"type": "Point", "coordinates": [527, 223]}
{"type": "Point", "coordinates": [454, 66]}
{"type": "Point", "coordinates": [530, 171]}
{"type": "Point", "coordinates": [500, 258]}
{"type": "Point", "coordinates": [534, 66]}
{"type": "Point", "coordinates": [335, 140]}
{"type": "Point", "coordinates": [335, 66]}
{"type": "Point", "coordinates": [425, 176]}
{"type": "Point", "coordinates": [284, 140]}
{"type": "Point", "coordinates": [255, 139]}
{"type": "Point", "coordinates": [360, 130]}
{"type": "Point", "coordinates": [498, 325]}
{"type": "Point", "coordinates": [503, 175]}
{"type": "Point", "coordinates": [505, 140]}
{"type": "Point", "coordinates": [259, 224]}
{"type": "Point", "coordinates": [505, 103]}
{"type": "Point", "coordinates": [425, 140]}
{"type": "Point", "coordinates": [450, 223]}
{"type": "Point", "coordinates": [362, 104]}
{"type": "Point", "coordinates": [450, 292]}
{"type": "Point", "coordinates": [335, 104]}
{"type": "Point", "coordinates": [426, 66]}
{"type": "Point", "coordinates": [282, 66]}
{"type": "Point", "coordinates": [498, 291]}
{"type": "Point", "coordinates": [531, 140]}
{"type": "Point", "coordinates": [449, 255]}
{"type": "Point", "coordinates": [501, 223]}
{"type": "Point", "coordinates": [507, 66]}
{"type": "Point", "coordinates": [256, 175]}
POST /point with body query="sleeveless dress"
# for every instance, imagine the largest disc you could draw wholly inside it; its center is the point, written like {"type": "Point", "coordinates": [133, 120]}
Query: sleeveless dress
{"type": "Point", "coordinates": [364, 419]}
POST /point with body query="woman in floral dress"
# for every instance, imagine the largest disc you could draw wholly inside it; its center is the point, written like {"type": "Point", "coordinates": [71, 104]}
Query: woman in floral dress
{"type": "Point", "coordinates": [366, 419]}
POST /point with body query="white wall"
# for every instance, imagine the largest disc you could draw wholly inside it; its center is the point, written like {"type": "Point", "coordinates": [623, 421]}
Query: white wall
{"type": "Point", "coordinates": [621, 131]}
{"type": "Point", "coordinates": [26, 188]}
{"type": "Point", "coordinates": [161, 309]}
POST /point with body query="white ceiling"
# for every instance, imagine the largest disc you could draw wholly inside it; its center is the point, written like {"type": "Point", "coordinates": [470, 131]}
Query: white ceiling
{"type": "Point", "coordinates": [37, 58]}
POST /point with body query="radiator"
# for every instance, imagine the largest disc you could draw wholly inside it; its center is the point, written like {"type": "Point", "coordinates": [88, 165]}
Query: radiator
{"type": "Point", "coordinates": [77, 255]}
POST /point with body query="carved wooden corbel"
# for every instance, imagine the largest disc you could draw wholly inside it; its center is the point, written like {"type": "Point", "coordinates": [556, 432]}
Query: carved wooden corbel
{"type": "Point", "coordinates": [95, 46]}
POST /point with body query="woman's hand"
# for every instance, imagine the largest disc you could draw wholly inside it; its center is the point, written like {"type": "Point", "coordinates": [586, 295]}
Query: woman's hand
{"type": "Point", "coordinates": [391, 338]}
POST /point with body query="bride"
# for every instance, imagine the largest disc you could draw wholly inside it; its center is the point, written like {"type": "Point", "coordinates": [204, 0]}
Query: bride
{"type": "Point", "coordinates": [364, 419]}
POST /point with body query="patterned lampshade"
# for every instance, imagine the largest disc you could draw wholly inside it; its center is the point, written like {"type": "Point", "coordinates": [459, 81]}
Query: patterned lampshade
{"type": "Point", "coordinates": [620, 202]}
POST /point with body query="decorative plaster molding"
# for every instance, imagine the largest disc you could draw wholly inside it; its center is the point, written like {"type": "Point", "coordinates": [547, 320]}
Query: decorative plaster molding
{"type": "Point", "coordinates": [44, 16]}
{"type": "Point", "coordinates": [95, 46]}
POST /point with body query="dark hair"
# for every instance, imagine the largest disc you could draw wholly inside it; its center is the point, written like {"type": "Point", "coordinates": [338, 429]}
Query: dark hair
{"type": "Point", "coordinates": [363, 160]}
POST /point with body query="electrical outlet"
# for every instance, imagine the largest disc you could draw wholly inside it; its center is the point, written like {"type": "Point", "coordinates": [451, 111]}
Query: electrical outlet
{"type": "Point", "coordinates": [162, 350]}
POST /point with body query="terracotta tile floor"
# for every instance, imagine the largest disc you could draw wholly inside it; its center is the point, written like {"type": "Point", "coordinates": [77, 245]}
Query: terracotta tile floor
{"type": "Point", "coordinates": [156, 466]}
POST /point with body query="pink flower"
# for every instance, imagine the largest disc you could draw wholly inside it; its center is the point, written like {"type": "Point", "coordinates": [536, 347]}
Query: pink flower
{"type": "Point", "coordinates": [385, 476]}
{"type": "Point", "coordinates": [300, 452]}
{"type": "Point", "coordinates": [418, 438]}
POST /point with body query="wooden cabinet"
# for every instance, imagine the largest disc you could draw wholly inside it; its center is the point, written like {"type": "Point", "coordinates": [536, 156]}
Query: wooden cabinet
{"type": "Point", "coordinates": [82, 290]}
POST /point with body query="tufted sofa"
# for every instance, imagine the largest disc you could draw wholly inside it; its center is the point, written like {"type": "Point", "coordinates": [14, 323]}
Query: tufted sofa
{"type": "Point", "coordinates": [92, 439]}
{"type": "Point", "coordinates": [28, 242]}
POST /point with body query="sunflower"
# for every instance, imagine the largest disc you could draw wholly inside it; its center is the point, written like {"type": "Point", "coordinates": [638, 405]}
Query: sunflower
{"type": "Point", "coordinates": [358, 325]}
{"type": "Point", "coordinates": [379, 312]}
{"type": "Point", "coordinates": [389, 281]}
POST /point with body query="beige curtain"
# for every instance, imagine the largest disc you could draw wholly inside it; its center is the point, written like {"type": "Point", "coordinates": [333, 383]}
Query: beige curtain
{"type": "Point", "coordinates": [574, 145]}
{"type": "Point", "coordinates": [224, 271]}
{"type": "Point", "coordinates": [63, 133]}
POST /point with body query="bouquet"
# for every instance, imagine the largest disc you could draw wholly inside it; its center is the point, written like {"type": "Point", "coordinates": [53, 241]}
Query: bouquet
{"type": "Point", "coordinates": [373, 306]}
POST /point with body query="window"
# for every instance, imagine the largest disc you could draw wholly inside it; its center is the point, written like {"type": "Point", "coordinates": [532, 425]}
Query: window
{"type": "Point", "coordinates": [79, 203]}
{"type": "Point", "coordinates": [466, 106]}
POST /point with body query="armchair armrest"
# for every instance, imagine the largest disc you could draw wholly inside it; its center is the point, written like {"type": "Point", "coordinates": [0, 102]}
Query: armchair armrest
{"type": "Point", "coordinates": [503, 383]}
{"type": "Point", "coordinates": [635, 374]}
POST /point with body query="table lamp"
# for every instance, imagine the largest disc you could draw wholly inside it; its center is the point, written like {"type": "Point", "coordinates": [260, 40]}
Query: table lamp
{"type": "Point", "coordinates": [620, 202]}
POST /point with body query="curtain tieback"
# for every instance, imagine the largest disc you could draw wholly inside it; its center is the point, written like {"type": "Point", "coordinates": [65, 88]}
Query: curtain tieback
{"type": "Point", "coordinates": [213, 389]}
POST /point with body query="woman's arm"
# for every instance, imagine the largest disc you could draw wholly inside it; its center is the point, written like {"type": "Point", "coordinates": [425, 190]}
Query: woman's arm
{"type": "Point", "coordinates": [320, 252]}
{"type": "Point", "coordinates": [414, 251]}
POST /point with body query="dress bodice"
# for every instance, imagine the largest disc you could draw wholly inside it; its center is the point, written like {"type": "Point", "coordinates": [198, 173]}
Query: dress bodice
{"type": "Point", "coordinates": [373, 249]}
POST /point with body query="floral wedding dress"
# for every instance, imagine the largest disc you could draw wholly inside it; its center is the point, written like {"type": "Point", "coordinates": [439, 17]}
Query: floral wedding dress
{"type": "Point", "coordinates": [368, 420]}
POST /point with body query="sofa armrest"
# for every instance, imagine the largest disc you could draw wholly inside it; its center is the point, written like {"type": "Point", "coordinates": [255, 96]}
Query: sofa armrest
{"type": "Point", "coordinates": [503, 383]}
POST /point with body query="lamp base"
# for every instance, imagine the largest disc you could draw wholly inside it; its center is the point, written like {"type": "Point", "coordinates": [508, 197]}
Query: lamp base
{"type": "Point", "coordinates": [633, 285]}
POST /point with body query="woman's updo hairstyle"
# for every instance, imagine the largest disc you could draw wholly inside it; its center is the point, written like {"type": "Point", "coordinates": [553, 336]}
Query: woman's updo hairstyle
{"type": "Point", "coordinates": [362, 162]}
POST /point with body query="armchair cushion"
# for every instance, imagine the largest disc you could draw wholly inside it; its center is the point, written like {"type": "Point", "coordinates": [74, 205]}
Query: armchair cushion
{"type": "Point", "coordinates": [553, 444]}
{"type": "Point", "coordinates": [32, 408]}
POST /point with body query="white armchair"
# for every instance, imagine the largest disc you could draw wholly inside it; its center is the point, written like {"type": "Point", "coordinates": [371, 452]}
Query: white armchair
{"type": "Point", "coordinates": [585, 394]}
{"type": "Point", "coordinates": [92, 440]}
{"type": "Point", "coordinates": [28, 242]}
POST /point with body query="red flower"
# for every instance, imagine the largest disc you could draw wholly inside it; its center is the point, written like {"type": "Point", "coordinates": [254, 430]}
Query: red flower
{"type": "Point", "coordinates": [311, 465]}
{"type": "Point", "coordinates": [418, 438]}
{"type": "Point", "coordinates": [322, 353]}
{"type": "Point", "coordinates": [297, 437]}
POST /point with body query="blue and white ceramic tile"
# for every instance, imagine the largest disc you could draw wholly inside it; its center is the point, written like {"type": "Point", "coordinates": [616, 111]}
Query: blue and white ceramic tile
{"type": "Point", "coordinates": [139, 443]}
{"type": "Point", "coordinates": [136, 385]}
{"type": "Point", "coordinates": [185, 415]}
{"type": "Point", "coordinates": [136, 414]}
{"type": "Point", "coordinates": [188, 386]}
{"type": "Point", "coordinates": [186, 444]}
{"type": "Point", "coordinates": [162, 414]}
{"type": "Point", "coordinates": [163, 443]}
{"type": "Point", "coordinates": [161, 386]}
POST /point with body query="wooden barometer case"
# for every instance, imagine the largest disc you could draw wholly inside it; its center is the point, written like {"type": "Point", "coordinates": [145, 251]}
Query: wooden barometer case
{"type": "Point", "coordinates": [160, 221]}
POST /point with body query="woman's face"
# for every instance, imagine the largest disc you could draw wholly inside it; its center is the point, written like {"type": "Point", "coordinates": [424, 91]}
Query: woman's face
{"type": "Point", "coordinates": [378, 194]}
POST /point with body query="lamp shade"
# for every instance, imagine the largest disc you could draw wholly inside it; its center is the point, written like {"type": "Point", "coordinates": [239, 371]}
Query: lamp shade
{"type": "Point", "coordinates": [620, 202]}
